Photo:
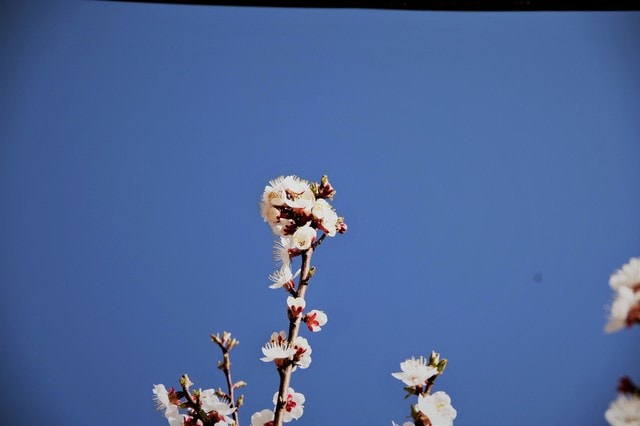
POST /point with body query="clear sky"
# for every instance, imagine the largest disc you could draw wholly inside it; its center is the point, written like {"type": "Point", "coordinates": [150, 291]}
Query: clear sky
{"type": "Point", "coordinates": [487, 165]}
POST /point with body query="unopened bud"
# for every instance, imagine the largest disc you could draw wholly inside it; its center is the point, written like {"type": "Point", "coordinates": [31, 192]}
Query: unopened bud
{"type": "Point", "coordinates": [342, 227]}
{"type": "Point", "coordinates": [442, 365]}
{"type": "Point", "coordinates": [234, 342]}
{"type": "Point", "coordinates": [216, 338]}
{"type": "Point", "coordinates": [434, 359]}
{"type": "Point", "coordinates": [185, 382]}
{"type": "Point", "coordinates": [325, 190]}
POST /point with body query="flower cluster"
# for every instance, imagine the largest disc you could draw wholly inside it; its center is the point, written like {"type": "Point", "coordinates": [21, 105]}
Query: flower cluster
{"type": "Point", "coordinates": [296, 211]}
{"type": "Point", "coordinates": [625, 410]}
{"type": "Point", "coordinates": [432, 409]}
{"type": "Point", "coordinates": [204, 407]}
{"type": "Point", "coordinates": [625, 309]}
{"type": "Point", "coordinates": [296, 208]}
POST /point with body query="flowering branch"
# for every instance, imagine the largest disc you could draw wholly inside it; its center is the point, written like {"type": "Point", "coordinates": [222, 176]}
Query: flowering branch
{"type": "Point", "coordinates": [226, 343]}
{"type": "Point", "coordinates": [203, 407]}
{"type": "Point", "coordinates": [295, 210]}
{"type": "Point", "coordinates": [420, 375]}
{"type": "Point", "coordinates": [294, 327]}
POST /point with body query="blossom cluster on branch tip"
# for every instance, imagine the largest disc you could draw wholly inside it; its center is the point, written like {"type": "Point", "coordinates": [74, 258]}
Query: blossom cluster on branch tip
{"type": "Point", "coordinates": [290, 205]}
{"type": "Point", "coordinates": [216, 411]}
{"type": "Point", "coordinates": [625, 309]}
{"type": "Point", "coordinates": [296, 210]}
{"type": "Point", "coordinates": [419, 374]}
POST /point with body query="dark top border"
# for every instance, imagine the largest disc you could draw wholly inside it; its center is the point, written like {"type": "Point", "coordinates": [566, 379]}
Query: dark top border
{"type": "Point", "coordinates": [450, 5]}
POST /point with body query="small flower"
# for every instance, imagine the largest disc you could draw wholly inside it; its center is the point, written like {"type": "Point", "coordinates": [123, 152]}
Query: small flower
{"type": "Point", "coordinates": [215, 407]}
{"type": "Point", "coordinates": [283, 277]}
{"type": "Point", "coordinates": [296, 305]}
{"type": "Point", "coordinates": [624, 411]}
{"type": "Point", "coordinates": [325, 217]}
{"type": "Point", "coordinates": [342, 227]}
{"type": "Point", "coordinates": [302, 356]}
{"type": "Point", "coordinates": [304, 237]}
{"type": "Point", "coordinates": [262, 418]}
{"type": "Point", "coordinates": [415, 372]}
{"type": "Point", "coordinates": [166, 401]}
{"type": "Point", "coordinates": [437, 407]}
{"type": "Point", "coordinates": [293, 405]}
{"type": "Point", "coordinates": [280, 337]}
{"type": "Point", "coordinates": [315, 320]}
{"type": "Point", "coordinates": [627, 276]}
{"type": "Point", "coordinates": [302, 203]}
{"type": "Point", "coordinates": [274, 351]}
{"type": "Point", "coordinates": [282, 251]}
{"type": "Point", "coordinates": [295, 187]}
{"type": "Point", "coordinates": [620, 309]}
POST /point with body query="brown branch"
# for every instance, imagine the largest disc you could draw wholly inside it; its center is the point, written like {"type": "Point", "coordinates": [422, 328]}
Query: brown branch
{"type": "Point", "coordinates": [227, 373]}
{"type": "Point", "coordinates": [294, 328]}
{"type": "Point", "coordinates": [226, 344]}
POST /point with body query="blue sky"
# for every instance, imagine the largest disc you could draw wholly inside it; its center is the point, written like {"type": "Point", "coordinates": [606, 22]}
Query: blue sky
{"type": "Point", "coordinates": [486, 164]}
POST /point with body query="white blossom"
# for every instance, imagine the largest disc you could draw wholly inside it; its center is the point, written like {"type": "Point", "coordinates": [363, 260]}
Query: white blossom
{"type": "Point", "coordinates": [284, 199]}
{"type": "Point", "coordinates": [624, 411]}
{"type": "Point", "coordinates": [281, 251]}
{"type": "Point", "coordinates": [282, 276]}
{"type": "Point", "coordinates": [293, 405]}
{"type": "Point", "coordinates": [437, 406]}
{"type": "Point", "coordinates": [262, 418]}
{"type": "Point", "coordinates": [304, 237]}
{"type": "Point", "coordinates": [211, 402]}
{"type": "Point", "coordinates": [161, 397]}
{"type": "Point", "coordinates": [624, 301]}
{"type": "Point", "coordinates": [279, 337]}
{"type": "Point", "coordinates": [302, 203]}
{"type": "Point", "coordinates": [296, 305]}
{"type": "Point", "coordinates": [415, 372]}
{"type": "Point", "coordinates": [325, 216]}
{"type": "Point", "coordinates": [315, 320]}
{"type": "Point", "coordinates": [274, 351]}
{"type": "Point", "coordinates": [294, 186]}
{"type": "Point", "coordinates": [627, 276]}
{"type": "Point", "coordinates": [302, 358]}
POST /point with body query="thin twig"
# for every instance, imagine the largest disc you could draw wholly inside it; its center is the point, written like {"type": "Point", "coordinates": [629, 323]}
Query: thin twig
{"type": "Point", "coordinates": [294, 327]}
{"type": "Point", "coordinates": [227, 373]}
